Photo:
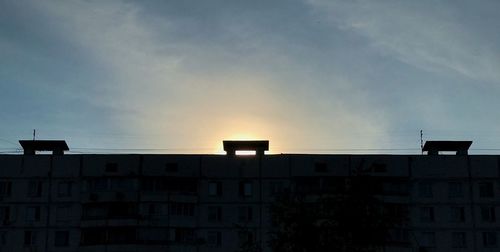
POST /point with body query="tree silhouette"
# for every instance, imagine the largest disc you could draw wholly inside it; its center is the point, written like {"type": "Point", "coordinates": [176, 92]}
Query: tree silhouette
{"type": "Point", "coordinates": [351, 218]}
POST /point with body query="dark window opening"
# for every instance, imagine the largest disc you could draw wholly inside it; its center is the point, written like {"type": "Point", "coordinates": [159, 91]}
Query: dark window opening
{"type": "Point", "coordinates": [181, 209]}
{"type": "Point", "coordinates": [33, 213]}
{"type": "Point", "coordinates": [29, 238]}
{"type": "Point", "coordinates": [488, 214]}
{"type": "Point", "coordinates": [111, 167]}
{"type": "Point", "coordinates": [455, 190]}
{"type": "Point", "coordinates": [93, 236]}
{"type": "Point", "coordinates": [171, 167]}
{"type": "Point", "coordinates": [61, 239]}
{"type": "Point", "coordinates": [4, 214]}
{"type": "Point", "coordinates": [103, 210]}
{"type": "Point", "coordinates": [489, 239]}
{"type": "Point", "coordinates": [5, 188]}
{"type": "Point", "coordinates": [320, 167]}
{"type": "Point", "coordinates": [245, 213]}
{"type": "Point", "coordinates": [35, 188]}
{"type": "Point", "coordinates": [214, 213]}
{"type": "Point", "coordinates": [214, 188]}
{"type": "Point", "coordinates": [486, 190]}
{"type": "Point", "coordinates": [458, 240]}
{"type": "Point", "coordinates": [457, 214]}
{"type": "Point", "coordinates": [245, 189]}
{"type": "Point", "coordinates": [170, 184]}
{"type": "Point", "coordinates": [64, 189]}
{"type": "Point", "coordinates": [214, 238]}
{"type": "Point", "coordinates": [427, 214]}
{"type": "Point", "coordinates": [184, 235]}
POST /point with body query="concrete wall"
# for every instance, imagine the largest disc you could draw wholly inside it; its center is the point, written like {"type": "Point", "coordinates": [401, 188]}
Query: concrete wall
{"type": "Point", "coordinates": [67, 191]}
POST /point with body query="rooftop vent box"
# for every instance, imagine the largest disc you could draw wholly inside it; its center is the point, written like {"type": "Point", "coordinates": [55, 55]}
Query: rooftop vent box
{"type": "Point", "coordinates": [56, 146]}
{"type": "Point", "coordinates": [259, 146]}
{"type": "Point", "coordinates": [459, 147]}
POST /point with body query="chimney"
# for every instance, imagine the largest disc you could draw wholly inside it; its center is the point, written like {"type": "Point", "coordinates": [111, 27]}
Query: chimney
{"type": "Point", "coordinates": [56, 146]}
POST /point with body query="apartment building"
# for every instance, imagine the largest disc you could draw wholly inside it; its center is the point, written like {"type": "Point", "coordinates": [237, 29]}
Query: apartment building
{"type": "Point", "coordinates": [145, 202]}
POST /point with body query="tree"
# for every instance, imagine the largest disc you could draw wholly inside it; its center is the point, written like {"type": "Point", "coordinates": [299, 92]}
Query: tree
{"type": "Point", "coordinates": [352, 219]}
{"type": "Point", "coordinates": [247, 240]}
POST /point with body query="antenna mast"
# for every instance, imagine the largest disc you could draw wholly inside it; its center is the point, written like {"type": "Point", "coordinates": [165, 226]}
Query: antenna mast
{"type": "Point", "coordinates": [422, 141]}
{"type": "Point", "coordinates": [34, 134]}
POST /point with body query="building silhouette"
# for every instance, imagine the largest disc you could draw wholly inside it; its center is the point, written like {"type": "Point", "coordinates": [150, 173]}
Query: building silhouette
{"type": "Point", "coordinates": [160, 202]}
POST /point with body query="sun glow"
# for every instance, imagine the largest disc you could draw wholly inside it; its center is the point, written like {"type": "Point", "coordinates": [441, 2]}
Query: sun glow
{"type": "Point", "coordinates": [245, 153]}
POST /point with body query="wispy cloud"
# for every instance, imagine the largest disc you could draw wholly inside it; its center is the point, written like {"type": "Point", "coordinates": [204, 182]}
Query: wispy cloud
{"type": "Point", "coordinates": [426, 34]}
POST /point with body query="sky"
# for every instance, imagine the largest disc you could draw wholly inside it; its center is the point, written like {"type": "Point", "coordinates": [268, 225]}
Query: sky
{"type": "Point", "coordinates": [311, 76]}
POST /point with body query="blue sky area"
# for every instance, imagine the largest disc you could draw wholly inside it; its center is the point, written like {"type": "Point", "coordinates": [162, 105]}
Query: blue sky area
{"type": "Point", "coordinates": [311, 76]}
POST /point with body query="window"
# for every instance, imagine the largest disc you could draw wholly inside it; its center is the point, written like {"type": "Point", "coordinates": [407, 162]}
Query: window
{"type": "Point", "coordinates": [98, 184]}
{"type": "Point", "coordinates": [4, 214]}
{"type": "Point", "coordinates": [428, 239]}
{"type": "Point", "coordinates": [64, 189]}
{"type": "Point", "coordinates": [63, 213]}
{"type": "Point", "coordinates": [184, 235]}
{"type": "Point", "coordinates": [3, 238]}
{"type": "Point", "coordinates": [458, 240]}
{"type": "Point", "coordinates": [457, 214]}
{"type": "Point", "coordinates": [181, 185]}
{"type": "Point", "coordinates": [320, 167]}
{"type": "Point", "coordinates": [93, 236]}
{"type": "Point", "coordinates": [181, 209]}
{"type": "Point", "coordinates": [489, 239]}
{"type": "Point", "coordinates": [35, 188]}
{"type": "Point", "coordinates": [427, 214]}
{"type": "Point", "coordinates": [488, 214]}
{"type": "Point", "coordinates": [5, 188]}
{"type": "Point", "coordinates": [378, 167]}
{"type": "Point", "coordinates": [111, 167]}
{"type": "Point", "coordinates": [29, 238]}
{"type": "Point", "coordinates": [33, 213]}
{"type": "Point", "coordinates": [61, 239]}
{"type": "Point", "coordinates": [246, 189]}
{"type": "Point", "coordinates": [122, 184]}
{"type": "Point", "coordinates": [214, 213]}
{"type": "Point", "coordinates": [214, 238]}
{"type": "Point", "coordinates": [155, 209]}
{"type": "Point", "coordinates": [153, 235]}
{"type": "Point", "coordinates": [396, 188]}
{"type": "Point", "coordinates": [171, 167]}
{"type": "Point", "coordinates": [214, 188]}
{"type": "Point", "coordinates": [276, 188]}
{"type": "Point", "coordinates": [486, 190]}
{"type": "Point", "coordinates": [245, 213]}
{"type": "Point", "coordinates": [425, 189]}
{"type": "Point", "coordinates": [93, 211]}
{"type": "Point", "coordinates": [121, 235]}
{"type": "Point", "coordinates": [122, 210]}
{"type": "Point", "coordinates": [245, 238]}
{"type": "Point", "coordinates": [398, 235]}
{"type": "Point", "coordinates": [455, 190]}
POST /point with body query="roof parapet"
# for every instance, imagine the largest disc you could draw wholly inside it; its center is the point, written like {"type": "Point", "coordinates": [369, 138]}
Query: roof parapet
{"type": "Point", "coordinates": [259, 146]}
{"type": "Point", "coordinates": [459, 147]}
{"type": "Point", "coordinates": [56, 146]}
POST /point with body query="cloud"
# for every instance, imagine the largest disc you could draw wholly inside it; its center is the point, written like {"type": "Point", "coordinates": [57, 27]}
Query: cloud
{"type": "Point", "coordinates": [428, 35]}
{"type": "Point", "coordinates": [170, 78]}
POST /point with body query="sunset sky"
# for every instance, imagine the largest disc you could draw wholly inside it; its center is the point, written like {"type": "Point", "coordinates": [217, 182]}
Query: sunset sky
{"type": "Point", "coordinates": [312, 76]}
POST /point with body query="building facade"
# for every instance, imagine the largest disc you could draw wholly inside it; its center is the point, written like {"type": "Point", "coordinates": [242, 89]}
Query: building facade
{"type": "Point", "coordinates": [143, 202]}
